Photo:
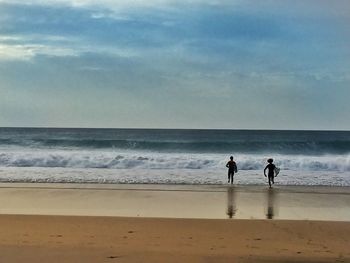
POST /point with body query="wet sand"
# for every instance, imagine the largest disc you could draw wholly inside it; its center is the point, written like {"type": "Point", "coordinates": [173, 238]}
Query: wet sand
{"type": "Point", "coordinates": [152, 223]}
{"type": "Point", "coordinates": [177, 201]}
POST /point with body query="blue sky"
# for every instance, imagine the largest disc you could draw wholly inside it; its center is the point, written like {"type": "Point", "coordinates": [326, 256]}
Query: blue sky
{"type": "Point", "coordinates": [175, 64]}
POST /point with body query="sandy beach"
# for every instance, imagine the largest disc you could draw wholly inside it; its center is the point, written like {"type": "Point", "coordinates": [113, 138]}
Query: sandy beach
{"type": "Point", "coordinates": [111, 223]}
{"type": "Point", "coordinates": [118, 239]}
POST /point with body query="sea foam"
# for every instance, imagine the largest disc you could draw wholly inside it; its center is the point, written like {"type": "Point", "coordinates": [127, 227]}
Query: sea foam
{"type": "Point", "coordinates": [136, 160]}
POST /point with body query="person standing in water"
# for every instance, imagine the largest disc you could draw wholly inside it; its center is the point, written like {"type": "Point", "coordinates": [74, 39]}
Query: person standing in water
{"type": "Point", "coordinates": [271, 171]}
{"type": "Point", "coordinates": [232, 169]}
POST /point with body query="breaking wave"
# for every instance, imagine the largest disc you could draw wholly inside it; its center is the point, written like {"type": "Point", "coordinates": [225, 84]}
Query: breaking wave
{"type": "Point", "coordinates": [133, 160]}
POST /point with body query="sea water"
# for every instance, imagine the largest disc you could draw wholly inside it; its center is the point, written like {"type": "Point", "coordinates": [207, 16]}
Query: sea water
{"type": "Point", "coordinates": [169, 156]}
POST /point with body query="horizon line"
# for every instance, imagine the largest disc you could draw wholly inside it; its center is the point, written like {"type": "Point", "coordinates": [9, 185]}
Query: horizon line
{"type": "Point", "coordinates": [141, 128]}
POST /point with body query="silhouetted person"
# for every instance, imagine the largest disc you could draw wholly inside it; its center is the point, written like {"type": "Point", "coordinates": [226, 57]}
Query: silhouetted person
{"type": "Point", "coordinates": [231, 205]}
{"type": "Point", "coordinates": [271, 171]}
{"type": "Point", "coordinates": [232, 169]}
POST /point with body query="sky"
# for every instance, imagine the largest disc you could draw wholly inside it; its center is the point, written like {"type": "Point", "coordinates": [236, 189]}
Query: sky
{"type": "Point", "coordinates": [229, 64]}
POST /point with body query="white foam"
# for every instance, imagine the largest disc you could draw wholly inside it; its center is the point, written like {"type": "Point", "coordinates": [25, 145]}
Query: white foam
{"type": "Point", "coordinates": [151, 160]}
{"type": "Point", "coordinates": [169, 176]}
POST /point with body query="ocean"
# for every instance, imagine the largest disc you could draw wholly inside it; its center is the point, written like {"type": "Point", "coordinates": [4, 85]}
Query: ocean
{"type": "Point", "coordinates": [171, 156]}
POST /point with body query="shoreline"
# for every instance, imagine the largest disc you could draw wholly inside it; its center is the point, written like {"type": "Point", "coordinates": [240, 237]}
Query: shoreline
{"type": "Point", "coordinates": [165, 176]}
{"type": "Point", "coordinates": [167, 187]}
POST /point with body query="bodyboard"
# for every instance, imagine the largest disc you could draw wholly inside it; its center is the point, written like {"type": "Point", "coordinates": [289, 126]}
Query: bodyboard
{"type": "Point", "coordinates": [277, 171]}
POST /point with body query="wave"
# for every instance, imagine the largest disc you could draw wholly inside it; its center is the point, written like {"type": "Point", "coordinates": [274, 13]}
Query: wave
{"type": "Point", "coordinates": [282, 147]}
{"type": "Point", "coordinates": [112, 160]}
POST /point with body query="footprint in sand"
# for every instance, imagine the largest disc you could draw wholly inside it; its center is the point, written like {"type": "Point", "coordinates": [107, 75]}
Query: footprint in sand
{"type": "Point", "coordinates": [112, 257]}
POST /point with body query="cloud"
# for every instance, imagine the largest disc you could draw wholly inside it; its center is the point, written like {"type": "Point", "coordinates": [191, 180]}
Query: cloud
{"type": "Point", "coordinates": [15, 52]}
{"type": "Point", "coordinates": [130, 62]}
{"type": "Point", "coordinates": [26, 47]}
{"type": "Point", "coordinates": [27, 52]}
{"type": "Point", "coordinates": [30, 51]}
{"type": "Point", "coordinates": [112, 4]}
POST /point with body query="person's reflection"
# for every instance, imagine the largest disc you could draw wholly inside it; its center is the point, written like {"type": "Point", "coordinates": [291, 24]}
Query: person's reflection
{"type": "Point", "coordinates": [231, 205]}
{"type": "Point", "coordinates": [271, 203]}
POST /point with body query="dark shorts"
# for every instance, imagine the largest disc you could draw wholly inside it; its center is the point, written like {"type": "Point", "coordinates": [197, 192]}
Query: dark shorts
{"type": "Point", "coordinates": [231, 172]}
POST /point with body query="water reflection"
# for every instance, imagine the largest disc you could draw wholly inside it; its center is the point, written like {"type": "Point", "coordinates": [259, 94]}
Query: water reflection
{"type": "Point", "coordinates": [231, 202]}
{"type": "Point", "coordinates": [272, 207]}
{"type": "Point", "coordinates": [264, 204]}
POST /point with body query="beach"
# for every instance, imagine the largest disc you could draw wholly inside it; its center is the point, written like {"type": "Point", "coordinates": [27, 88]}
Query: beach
{"type": "Point", "coordinates": [174, 131]}
{"type": "Point", "coordinates": [120, 239]}
{"type": "Point", "coordinates": [169, 223]}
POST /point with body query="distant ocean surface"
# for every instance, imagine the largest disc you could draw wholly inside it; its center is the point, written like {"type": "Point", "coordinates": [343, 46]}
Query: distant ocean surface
{"type": "Point", "coordinates": [159, 156]}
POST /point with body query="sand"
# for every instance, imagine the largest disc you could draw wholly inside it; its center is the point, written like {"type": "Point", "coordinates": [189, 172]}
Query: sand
{"type": "Point", "coordinates": [124, 223]}
{"type": "Point", "coordinates": [118, 239]}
